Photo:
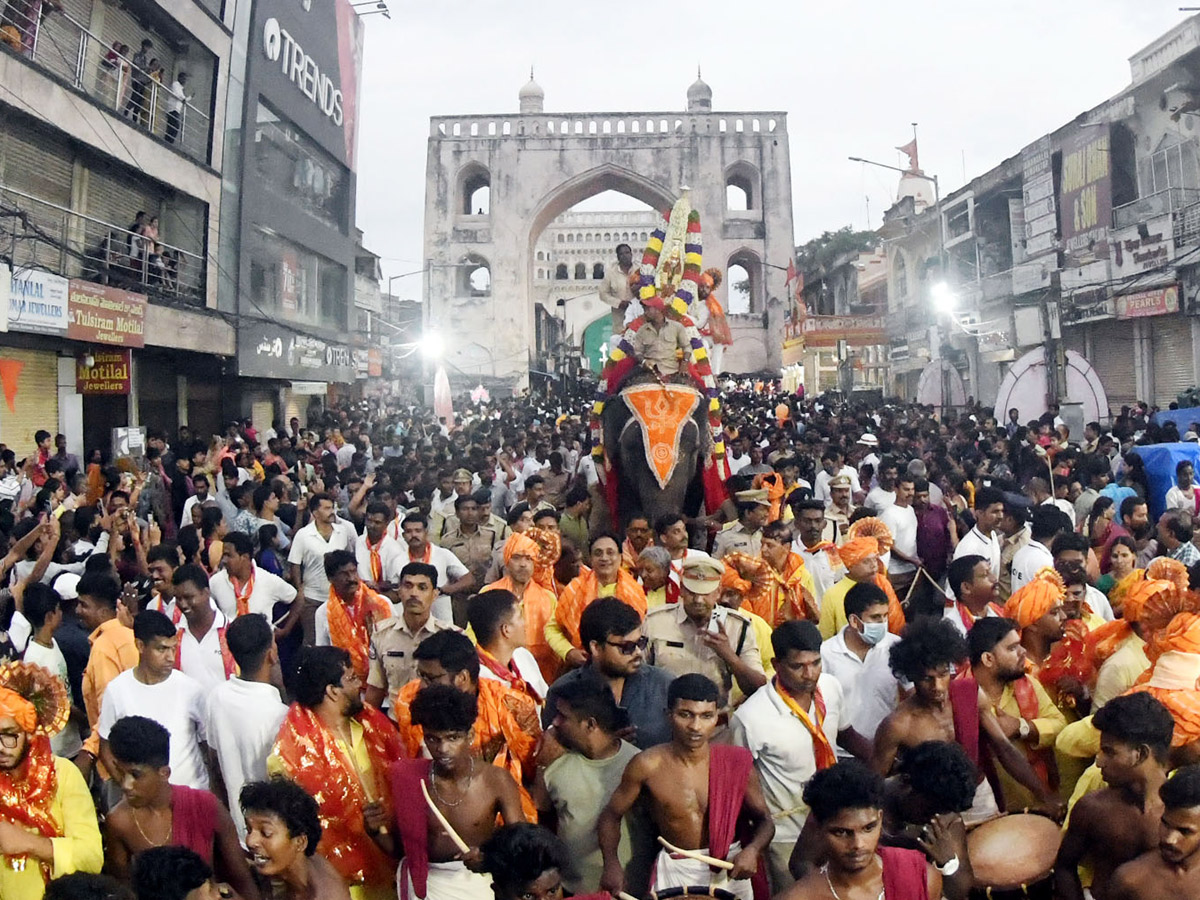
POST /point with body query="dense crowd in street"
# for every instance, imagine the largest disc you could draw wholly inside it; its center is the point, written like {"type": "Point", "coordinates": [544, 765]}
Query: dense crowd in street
{"type": "Point", "coordinates": [382, 655]}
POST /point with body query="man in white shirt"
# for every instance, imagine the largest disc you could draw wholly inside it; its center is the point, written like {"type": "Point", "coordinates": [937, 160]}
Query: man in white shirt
{"type": "Point", "coordinates": [306, 560]}
{"type": "Point", "coordinates": [175, 103]}
{"type": "Point", "coordinates": [378, 554]}
{"type": "Point", "coordinates": [1046, 522]}
{"type": "Point", "coordinates": [901, 520]}
{"type": "Point", "coordinates": [498, 621]}
{"type": "Point", "coordinates": [154, 689]}
{"type": "Point", "coordinates": [243, 715]}
{"type": "Point", "coordinates": [200, 485]}
{"type": "Point", "coordinates": [847, 653]}
{"type": "Point", "coordinates": [983, 540]}
{"type": "Point", "coordinates": [832, 466]}
{"type": "Point", "coordinates": [202, 653]}
{"type": "Point", "coordinates": [818, 554]}
{"type": "Point", "coordinates": [241, 587]}
{"type": "Point", "coordinates": [883, 494]}
{"type": "Point", "coordinates": [976, 592]}
{"type": "Point", "coordinates": [785, 747]}
{"type": "Point", "coordinates": [453, 576]}
{"type": "Point", "coordinates": [614, 288]}
{"type": "Point", "coordinates": [43, 610]}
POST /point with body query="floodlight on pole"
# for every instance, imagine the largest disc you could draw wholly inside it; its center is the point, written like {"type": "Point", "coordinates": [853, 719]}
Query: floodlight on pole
{"type": "Point", "coordinates": [433, 347]}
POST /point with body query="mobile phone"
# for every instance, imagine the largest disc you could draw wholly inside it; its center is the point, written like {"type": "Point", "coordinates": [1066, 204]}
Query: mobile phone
{"type": "Point", "coordinates": [716, 624]}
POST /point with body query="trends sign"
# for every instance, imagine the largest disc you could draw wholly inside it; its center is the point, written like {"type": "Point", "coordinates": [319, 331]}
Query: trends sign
{"type": "Point", "coordinates": [302, 70]}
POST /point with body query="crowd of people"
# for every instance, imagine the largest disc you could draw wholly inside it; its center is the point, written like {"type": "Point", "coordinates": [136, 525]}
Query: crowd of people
{"type": "Point", "coordinates": [379, 655]}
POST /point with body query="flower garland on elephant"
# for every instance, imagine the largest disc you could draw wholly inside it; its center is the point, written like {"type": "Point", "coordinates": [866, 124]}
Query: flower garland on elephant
{"type": "Point", "coordinates": [676, 280]}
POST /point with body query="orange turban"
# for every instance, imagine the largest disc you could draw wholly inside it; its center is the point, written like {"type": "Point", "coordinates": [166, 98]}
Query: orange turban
{"type": "Point", "coordinates": [1151, 603]}
{"type": "Point", "coordinates": [520, 545]}
{"type": "Point", "coordinates": [872, 527]}
{"type": "Point", "coordinates": [856, 550]}
{"type": "Point", "coordinates": [13, 704]}
{"type": "Point", "coordinates": [1182, 635]}
{"type": "Point", "coordinates": [1163, 568]}
{"type": "Point", "coordinates": [732, 580]}
{"type": "Point", "coordinates": [1035, 599]}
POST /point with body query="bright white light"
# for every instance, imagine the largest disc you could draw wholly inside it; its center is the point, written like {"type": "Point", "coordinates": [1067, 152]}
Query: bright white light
{"type": "Point", "coordinates": [943, 298]}
{"type": "Point", "coordinates": [432, 345]}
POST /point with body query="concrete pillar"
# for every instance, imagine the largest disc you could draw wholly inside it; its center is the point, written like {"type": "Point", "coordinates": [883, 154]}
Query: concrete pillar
{"type": "Point", "coordinates": [134, 393]}
{"type": "Point", "coordinates": [70, 406]}
{"type": "Point", "coordinates": [181, 399]}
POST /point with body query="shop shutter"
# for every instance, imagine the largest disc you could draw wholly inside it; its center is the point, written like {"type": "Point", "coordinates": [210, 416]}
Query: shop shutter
{"type": "Point", "coordinates": [36, 403]}
{"type": "Point", "coordinates": [1113, 361]}
{"type": "Point", "coordinates": [38, 167]}
{"type": "Point", "coordinates": [58, 39]}
{"type": "Point", "coordinates": [1171, 348]}
{"type": "Point", "coordinates": [114, 198]}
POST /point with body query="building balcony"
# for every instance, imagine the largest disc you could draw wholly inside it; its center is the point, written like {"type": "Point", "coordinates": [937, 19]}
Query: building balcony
{"type": "Point", "coordinates": [40, 235]}
{"type": "Point", "coordinates": [1146, 208]}
{"type": "Point", "coordinates": [91, 65]}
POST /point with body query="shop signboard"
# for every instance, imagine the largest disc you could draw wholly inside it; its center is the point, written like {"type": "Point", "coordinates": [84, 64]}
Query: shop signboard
{"type": "Point", "coordinates": [1145, 247]}
{"type": "Point", "coordinates": [1085, 195]}
{"type": "Point", "coordinates": [37, 302]}
{"type": "Point", "coordinates": [103, 373]}
{"type": "Point", "coordinates": [98, 314]}
{"type": "Point", "coordinates": [1158, 302]}
{"type": "Point", "coordinates": [267, 350]}
{"type": "Point", "coordinates": [857, 331]}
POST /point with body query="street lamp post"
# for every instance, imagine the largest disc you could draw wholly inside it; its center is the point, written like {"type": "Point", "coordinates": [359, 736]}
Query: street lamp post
{"type": "Point", "coordinates": [937, 207]}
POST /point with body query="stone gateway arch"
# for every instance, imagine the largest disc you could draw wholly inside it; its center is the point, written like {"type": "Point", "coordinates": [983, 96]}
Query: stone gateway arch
{"type": "Point", "coordinates": [535, 165]}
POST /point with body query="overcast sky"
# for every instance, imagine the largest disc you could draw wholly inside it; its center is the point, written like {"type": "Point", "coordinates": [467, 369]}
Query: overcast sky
{"type": "Point", "coordinates": [981, 79]}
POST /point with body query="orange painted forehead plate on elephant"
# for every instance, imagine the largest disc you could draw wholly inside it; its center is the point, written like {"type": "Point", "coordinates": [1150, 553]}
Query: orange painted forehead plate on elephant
{"type": "Point", "coordinates": [662, 411]}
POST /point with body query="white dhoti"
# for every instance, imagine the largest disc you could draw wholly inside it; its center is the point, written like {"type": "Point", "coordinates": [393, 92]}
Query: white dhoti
{"type": "Point", "coordinates": [447, 881]}
{"type": "Point", "coordinates": [683, 871]}
{"type": "Point", "coordinates": [983, 807]}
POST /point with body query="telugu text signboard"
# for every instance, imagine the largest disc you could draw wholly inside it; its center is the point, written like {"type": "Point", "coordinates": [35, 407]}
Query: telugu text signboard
{"type": "Point", "coordinates": [108, 375]}
{"type": "Point", "coordinates": [105, 315]}
{"type": "Point", "coordinates": [857, 331]}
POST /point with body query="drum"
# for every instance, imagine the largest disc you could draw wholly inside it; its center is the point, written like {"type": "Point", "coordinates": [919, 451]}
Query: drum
{"type": "Point", "coordinates": [714, 893]}
{"type": "Point", "coordinates": [1013, 856]}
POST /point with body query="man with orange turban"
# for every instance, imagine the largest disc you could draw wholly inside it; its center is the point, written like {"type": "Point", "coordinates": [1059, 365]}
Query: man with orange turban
{"type": "Point", "coordinates": [1175, 679]}
{"type": "Point", "coordinates": [537, 603]}
{"type": "Point", "coordinates": [860, 556]}
{"type": "Point", "coordinates": [1037, 608]}
{"type": "Point", "coordinates": [47, 821]}
{"type": "Point", "coordinates": [1118, 648]}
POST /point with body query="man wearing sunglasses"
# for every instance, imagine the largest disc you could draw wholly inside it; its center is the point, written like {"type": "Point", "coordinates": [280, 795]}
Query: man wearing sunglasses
{"type": "Point", "coordinates": [616, 650]}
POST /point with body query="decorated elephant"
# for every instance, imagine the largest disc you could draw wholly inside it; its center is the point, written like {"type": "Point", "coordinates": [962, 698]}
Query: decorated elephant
{"type": "Point", "coordinates": [656, 423]}
{"type": "Point", "coordinates": [656, 439]}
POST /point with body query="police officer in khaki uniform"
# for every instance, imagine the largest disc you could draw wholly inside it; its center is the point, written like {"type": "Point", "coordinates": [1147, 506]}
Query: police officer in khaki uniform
{"type": "Point", "coordinates": [745, 535]}
{"type": "Point", "coordinates": [472, 543]}
{"type": "Point", "coordinates": [839, 510]}
{"type": "Point", "coordinates": [698, 635]}
{"type": "Point", "coordinates": [393, 640]}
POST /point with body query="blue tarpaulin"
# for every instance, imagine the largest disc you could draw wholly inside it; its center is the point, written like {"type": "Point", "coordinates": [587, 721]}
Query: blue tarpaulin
{"type": "Point", "coordinates": [1183, 418]}
{"type": "Point", "coordinates": [1160, 461]}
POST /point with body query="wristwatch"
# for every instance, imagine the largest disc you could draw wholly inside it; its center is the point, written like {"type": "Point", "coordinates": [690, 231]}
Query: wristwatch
{"type": "Point", "coordinates": [949, 868]}
{"type": "Point", "coordinates": [1024, 730]}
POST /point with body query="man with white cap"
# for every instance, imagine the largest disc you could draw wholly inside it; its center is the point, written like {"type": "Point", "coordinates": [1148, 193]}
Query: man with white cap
{"type": "Point", "coordinates": [839, 509]}
{"type": "Point", "coordinates": [699, 635]}
{"type": "Point", "coordinates": [871, 443]}
{"type": "Point", "coordinates": [745, 535]}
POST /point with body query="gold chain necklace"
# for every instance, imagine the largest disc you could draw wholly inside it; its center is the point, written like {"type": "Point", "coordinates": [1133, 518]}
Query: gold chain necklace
{"type": "Point", "coordinates": [433, 780]}
{"type": "Point", "coordinates": [146, 837]}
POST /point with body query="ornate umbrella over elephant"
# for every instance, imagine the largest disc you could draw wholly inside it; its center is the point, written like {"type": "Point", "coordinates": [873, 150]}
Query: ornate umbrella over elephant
{"type": "Point", "coordinates": [656, 423]}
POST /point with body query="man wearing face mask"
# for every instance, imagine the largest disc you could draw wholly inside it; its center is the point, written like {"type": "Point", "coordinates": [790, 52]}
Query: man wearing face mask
{"type": "Point", "coordinates": [846, 655]}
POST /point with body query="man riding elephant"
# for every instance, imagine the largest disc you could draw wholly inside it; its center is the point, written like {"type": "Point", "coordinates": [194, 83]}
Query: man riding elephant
{"type": "Point", "coordinates": [658, 443]}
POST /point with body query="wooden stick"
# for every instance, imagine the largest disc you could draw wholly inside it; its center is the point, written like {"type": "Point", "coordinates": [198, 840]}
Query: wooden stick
{"type": "Point", "coordinates": [696, 855]}
{"type": "Point", "coordinates": [621, 895]}
{"type": "Point", "coordinates": [446, 826]}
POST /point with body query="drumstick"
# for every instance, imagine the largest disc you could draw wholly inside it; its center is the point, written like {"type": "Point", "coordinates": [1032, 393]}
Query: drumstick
{"type": "Point", "coordinates": [446, 826]}
{"type": "Point", "coordinates": [621, 895]}
{"type": "Point", "coordinates": [696, 855]}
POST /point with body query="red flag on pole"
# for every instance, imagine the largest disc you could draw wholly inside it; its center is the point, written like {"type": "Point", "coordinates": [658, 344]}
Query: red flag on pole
{"type": "Point", "coordinates": [910, 150]}
{"type": "Point", "coordinates": [791, 272]}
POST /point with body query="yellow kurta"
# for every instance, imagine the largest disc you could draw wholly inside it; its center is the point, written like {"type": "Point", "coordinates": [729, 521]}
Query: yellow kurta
{"type": "Point", "coordinates": [558, 640]}
{"type": "Point", "coordinates": [1049, 723]}
{"type": "Point", "coordinates": [833, 608]}
{"type": "Point", "coordinates": [78, 850]}
{"type": "Point", "coordinates": [360, 757]}
{"type": "Point", "coordinates": [1120, 671]}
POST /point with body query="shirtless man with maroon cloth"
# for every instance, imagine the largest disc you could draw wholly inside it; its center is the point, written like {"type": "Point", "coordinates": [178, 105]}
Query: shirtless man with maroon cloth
{"type": "Point", "coordinates": [847, 804]}
{"type": "Point", "coordinates": [697, 792]}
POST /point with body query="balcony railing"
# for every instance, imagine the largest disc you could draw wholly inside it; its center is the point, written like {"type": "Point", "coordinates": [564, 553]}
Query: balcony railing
{"type": "Point", "coordinates": [66, 48]}
{"type": "Point", "coordinates": [1149, 207]}
{"type": "Point", "coordinates": [37, 234]}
